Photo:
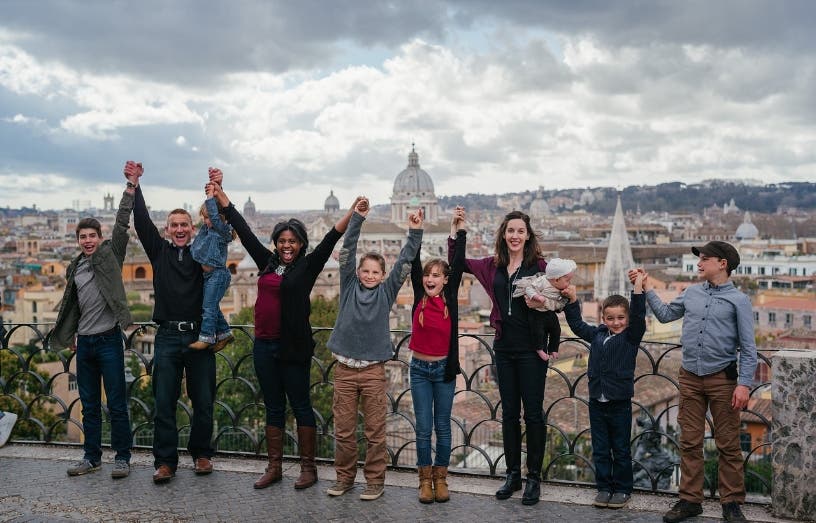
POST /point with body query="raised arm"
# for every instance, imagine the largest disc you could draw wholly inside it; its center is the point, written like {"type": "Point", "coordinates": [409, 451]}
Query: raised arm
{"type": "Point", "coordinates": [348, 252]}
{"type": "Point", "coordinates": [254, 247]}
{"type": "Point", "coordinates": [223, 229]}
{"type": "Point", "coordinates": [317, 259]}
{"type": "Point", "coordinates": [637, 311]}
{"type": "Point", "coordinates": [402, 267]}
{"type": "Point", "coordinates": [120, 236]}
{"type": "Point", "coordinates": [146, 230]}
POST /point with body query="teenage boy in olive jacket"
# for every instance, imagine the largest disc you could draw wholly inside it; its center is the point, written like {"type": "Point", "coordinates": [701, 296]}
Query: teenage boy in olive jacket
{"type": "Point", "coordinates": [91, 317]}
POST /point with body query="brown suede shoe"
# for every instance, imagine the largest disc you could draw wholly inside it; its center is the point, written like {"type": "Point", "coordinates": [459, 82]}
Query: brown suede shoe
{"type": "Point", "coordinates": [220, 344]}
{"type": "Point", "coordinates": [203, 466]}
{"type": "Point", "coordinates": [199, 345]}
{"type": "Point", "coordinates": [163, 474]}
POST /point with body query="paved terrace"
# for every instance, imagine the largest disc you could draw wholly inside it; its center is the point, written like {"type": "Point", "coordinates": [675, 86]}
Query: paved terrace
{"type": "Point", "coordinates": [35, 487]}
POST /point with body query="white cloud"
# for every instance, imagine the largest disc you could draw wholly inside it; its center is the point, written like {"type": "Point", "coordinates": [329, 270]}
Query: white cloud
{"type": "Point", "coordinates": [181, 141]}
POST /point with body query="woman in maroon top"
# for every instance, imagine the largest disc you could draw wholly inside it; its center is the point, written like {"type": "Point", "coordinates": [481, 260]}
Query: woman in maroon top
{"type": "Point", "coordinates": [435, 361]}
{"type": "Point", "coordinates": [283, 347]}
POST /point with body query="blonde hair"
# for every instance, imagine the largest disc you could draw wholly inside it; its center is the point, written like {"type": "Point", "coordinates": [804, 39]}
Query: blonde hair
{"type": "Point", "coordinates": [202, 211]}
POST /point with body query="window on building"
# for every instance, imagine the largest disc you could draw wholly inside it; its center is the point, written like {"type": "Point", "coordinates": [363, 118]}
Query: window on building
{"type": "Point", "coordinates": [33, 306]}
{"type": "Point", "coordinates": [806, 320]}
{"type": "Point", "coordinates": [140, 273]}
{"type": "Point", "coordinates": [690, 268]}
{"type": "Point", "coordinates": [761, 271]}
{"type": "Point", "coordinates": [748, 270]}
{"type": "Point", "coordinates": [788, 319]}
{"type": "Point", "coordinates": [772, 318]}
{"type": "Point", "coordinates": [72, 383]}
{"type": "Point", "coordinates": [756, 318]}
{"type": "Point", "coordinates": [792, 271]}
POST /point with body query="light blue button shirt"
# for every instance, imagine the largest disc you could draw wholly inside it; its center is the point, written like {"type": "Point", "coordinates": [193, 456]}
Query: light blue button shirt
{"type": "Point", "coordinates": [717, 319]}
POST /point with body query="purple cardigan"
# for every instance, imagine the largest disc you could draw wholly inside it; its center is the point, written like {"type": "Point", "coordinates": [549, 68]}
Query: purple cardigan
{"type": "Point", "coordinates": [484, 269]}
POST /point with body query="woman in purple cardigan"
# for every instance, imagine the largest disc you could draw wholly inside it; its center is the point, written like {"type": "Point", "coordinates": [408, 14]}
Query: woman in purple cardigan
{"type": "Point", "coordinates": [520, 371]}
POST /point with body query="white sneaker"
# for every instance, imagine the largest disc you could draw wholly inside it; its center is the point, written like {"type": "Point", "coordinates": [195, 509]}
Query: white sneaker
{"type": "Point", "coordinates": [7, 421]}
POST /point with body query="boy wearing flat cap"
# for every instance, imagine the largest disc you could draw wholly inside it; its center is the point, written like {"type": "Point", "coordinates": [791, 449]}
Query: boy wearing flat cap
{"type": "Point", "coordinates": [717, 321]}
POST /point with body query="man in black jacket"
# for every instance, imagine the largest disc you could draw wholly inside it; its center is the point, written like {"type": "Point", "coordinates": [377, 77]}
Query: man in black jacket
{"type": "Point", "coordinates": [178, 289]}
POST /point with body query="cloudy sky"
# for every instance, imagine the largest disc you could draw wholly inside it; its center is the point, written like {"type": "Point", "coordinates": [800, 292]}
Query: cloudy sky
{"type": "Point", "coordinates": [293, 99]}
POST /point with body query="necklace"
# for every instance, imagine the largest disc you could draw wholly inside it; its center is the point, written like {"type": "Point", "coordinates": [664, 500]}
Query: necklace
{"type": "Point", "coordinates": [280, 269]}
{"type": "Point", "coordinates": [510, 290]}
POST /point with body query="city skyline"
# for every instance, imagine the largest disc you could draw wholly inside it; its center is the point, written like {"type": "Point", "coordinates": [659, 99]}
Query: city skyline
{"type": "Point", "coordinates": [293, 100]}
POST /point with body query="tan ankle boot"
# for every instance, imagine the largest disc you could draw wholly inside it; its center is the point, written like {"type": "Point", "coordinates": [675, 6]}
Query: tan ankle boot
{"type": "Point", "coordinates": [426, 494]}
{"type": "Point", "coordinates": [440, 484]}
{"type": "Point", "coordinates": [307, 440]}
{"type": "Point", "coordinates": [274, 450]}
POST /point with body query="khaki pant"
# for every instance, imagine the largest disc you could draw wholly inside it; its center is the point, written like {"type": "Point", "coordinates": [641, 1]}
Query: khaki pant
{"type": "Point", "coordinates": [714, 392]}
{"type": "Point", "coordinates": [351, 385]}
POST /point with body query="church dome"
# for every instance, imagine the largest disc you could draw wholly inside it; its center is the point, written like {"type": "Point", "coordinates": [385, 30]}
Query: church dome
{"type": "Point", "coordinates": [747, 230]}
{"type": "Point", "coordinates": [249, 208]}
{"type": "Point", "coordinates": [332, 203]}
{"type": "Point", "coordinates": [539, 207]}
{"type": "Point", "coordinates": [413, 181]}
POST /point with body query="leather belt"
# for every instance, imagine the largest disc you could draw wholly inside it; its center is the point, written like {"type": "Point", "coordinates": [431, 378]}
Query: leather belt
{"type": "Point", "coordinates": [181, 326]}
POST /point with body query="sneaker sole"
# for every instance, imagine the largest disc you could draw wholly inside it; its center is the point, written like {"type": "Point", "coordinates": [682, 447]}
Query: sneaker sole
{"type": "Point", "coordinates": [73, 474]}
{"type": "Point", "coordinates": [371, 497]}
{"type": "Point", "coordinates": [617, 505]}
{"type": "Point", "coordinates": [120, 475]}
{"type": "Point", "coordinates": [600, 505]}
{"type": "Point", "coordinates": [335, 493]}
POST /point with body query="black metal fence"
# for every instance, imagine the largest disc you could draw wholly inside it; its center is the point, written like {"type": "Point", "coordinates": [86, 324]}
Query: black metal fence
{"type": "Point", "coordinates": [39, 385]}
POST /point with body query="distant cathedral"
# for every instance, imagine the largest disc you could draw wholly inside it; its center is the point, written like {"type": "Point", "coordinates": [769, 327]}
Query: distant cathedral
{"type": "Point", "coordinates": [413, 188]}
{"type": "Point", "coordinates": [332, 204]}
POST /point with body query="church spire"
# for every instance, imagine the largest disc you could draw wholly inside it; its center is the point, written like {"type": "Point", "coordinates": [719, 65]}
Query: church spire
{"type": "Point", "coordinates": [618, 259]}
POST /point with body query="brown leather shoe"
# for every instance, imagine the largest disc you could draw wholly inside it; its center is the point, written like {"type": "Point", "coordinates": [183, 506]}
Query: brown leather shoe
{"type": "Point", "coordinates": [163, 474]}
{"type": "Point", "coordinates": [220, 344]}
{"type": "Point", "coordinates": [199, 345]}
{"type": "Point", "coordinates": [203, 466]}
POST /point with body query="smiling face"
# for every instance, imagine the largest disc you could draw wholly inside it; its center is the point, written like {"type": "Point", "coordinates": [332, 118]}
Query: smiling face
{"type": "Point", "coordinates": [515, 235]}
{"type": "Point", "coordinates": [88, 240]}
{"type": "Point", "coordinates": [288, 246]}
{"type": "Point", "coordinates": [616, 319]}
{"type": "Point", "coordinates": [370, 273]}
{"type": "Point", "coordinates": [434, 279]}
{"type": "Point", "coordinates": [179, 228]}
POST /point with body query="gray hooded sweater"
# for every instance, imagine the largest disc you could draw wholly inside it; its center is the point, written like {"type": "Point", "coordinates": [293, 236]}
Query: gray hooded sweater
{"type": "Point", "coordinates": [361, 330]}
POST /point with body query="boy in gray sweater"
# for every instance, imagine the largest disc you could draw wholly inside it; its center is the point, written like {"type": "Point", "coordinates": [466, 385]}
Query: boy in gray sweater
{"type": "Point", "coordinates": [361, 342]}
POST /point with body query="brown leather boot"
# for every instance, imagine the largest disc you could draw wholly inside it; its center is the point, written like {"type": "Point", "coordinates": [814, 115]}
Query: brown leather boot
{"type": "Point", "coordinates": [426, 494]}
{"type": "Point", "coordinates": [307, 440]}
{"type": "Point", "coordinates": [274, 449]}
{"type": "Point", "coordinates": [440, 484]}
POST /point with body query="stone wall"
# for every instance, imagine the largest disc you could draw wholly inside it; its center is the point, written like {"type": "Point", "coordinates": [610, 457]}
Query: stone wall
{"type": "Point", "coordinates": [793, 433]}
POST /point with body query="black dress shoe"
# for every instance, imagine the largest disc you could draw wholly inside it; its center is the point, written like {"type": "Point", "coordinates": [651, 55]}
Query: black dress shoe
{"type": "Point", "coordinates": [511, 484]}
{"type": "Point", "coordinates": [531, 492]}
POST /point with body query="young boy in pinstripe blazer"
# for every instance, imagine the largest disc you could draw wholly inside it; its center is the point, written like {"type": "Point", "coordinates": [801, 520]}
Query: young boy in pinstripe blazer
{"type": "Point", "coordinates": [611, 372]}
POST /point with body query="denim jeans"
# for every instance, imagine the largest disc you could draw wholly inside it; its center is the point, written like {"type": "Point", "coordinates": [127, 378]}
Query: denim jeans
{"type": "Point", "coordinates": [213, 322]}
{"type": "Point", "coordinates": [433, 401]}
{"type": "Point", "coordinates": [280, 380]}
{"type": "Point", "coordinates": [610, 425]}
{"type": "Point", "coordinates": [172, 359]}
{"type": "Point", "coordinates": [101, 358]}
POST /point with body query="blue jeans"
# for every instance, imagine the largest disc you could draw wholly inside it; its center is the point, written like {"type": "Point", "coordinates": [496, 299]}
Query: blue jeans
{"type": "Point", "coordinates": [174, 358]}
{"type": "Point", "coordinates": [101, 358]}
{"type": "Point", "coordinates": [433, 401]}
{"type": "Point", "coordinates": [611, 429]}
{"type": "Point", "coordinates": [279, 380]}
{"type": "Point", "coordinates": [213, 323]}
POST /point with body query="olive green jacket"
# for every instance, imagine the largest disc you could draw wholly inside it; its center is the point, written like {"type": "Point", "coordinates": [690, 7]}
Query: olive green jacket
{"type": "Point", "coordinates": [106, 264]}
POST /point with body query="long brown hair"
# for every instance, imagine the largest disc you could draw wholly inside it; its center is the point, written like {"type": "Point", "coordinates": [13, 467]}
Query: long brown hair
{"type": "Point", "coordinates": [532, 251]}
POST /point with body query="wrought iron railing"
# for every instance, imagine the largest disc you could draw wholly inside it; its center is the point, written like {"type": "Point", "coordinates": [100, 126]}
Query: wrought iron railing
{"type": "Point", "coordinates": [38, 384]}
